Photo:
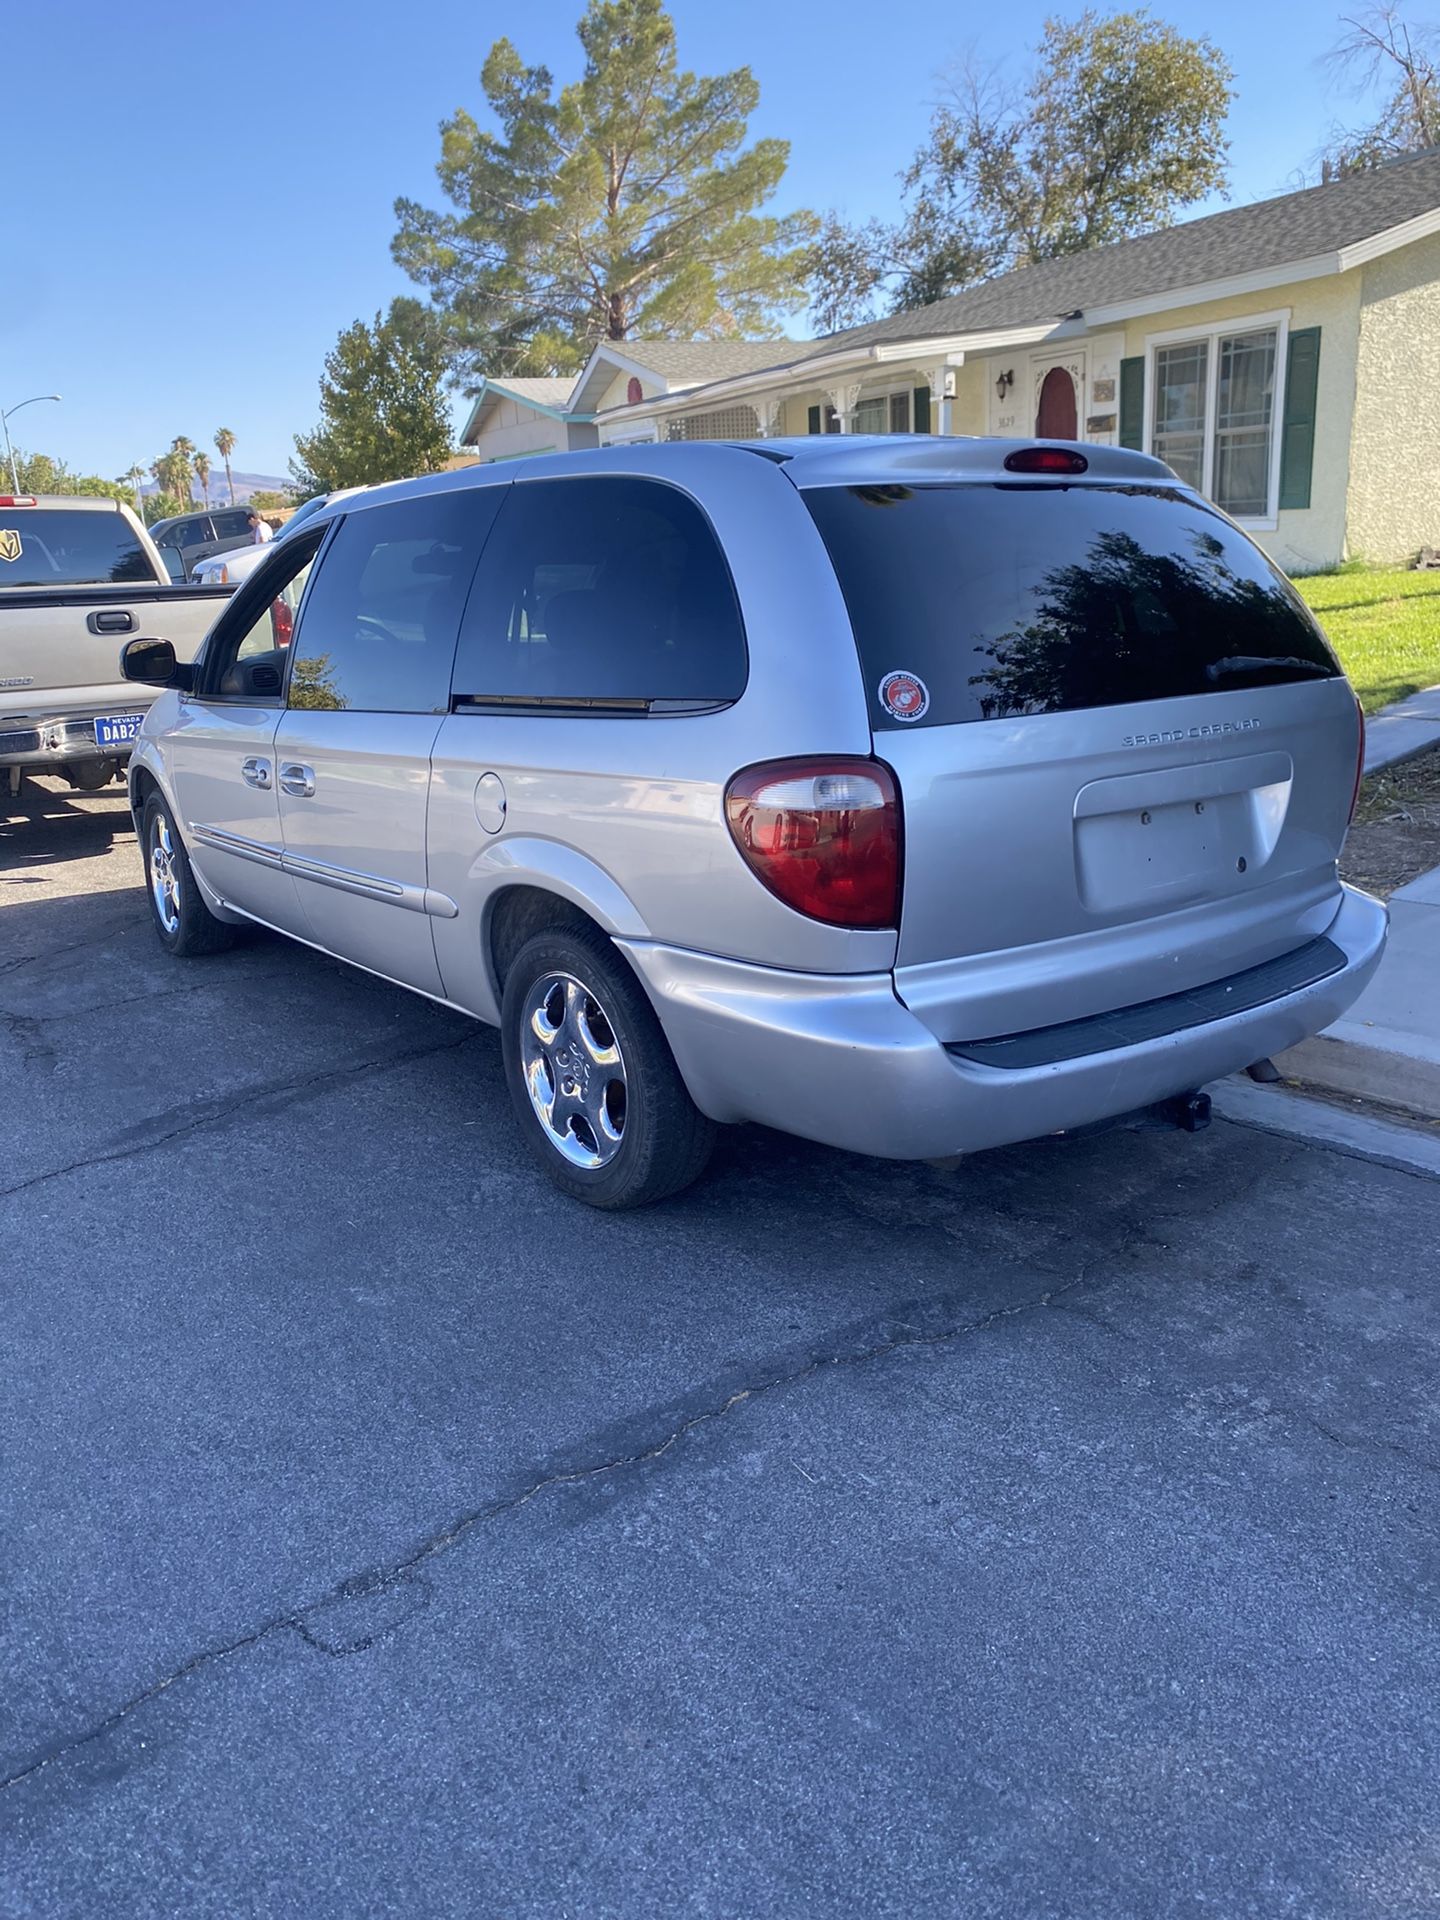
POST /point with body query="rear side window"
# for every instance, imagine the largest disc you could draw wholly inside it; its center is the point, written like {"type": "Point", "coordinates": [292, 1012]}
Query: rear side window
{"type": "Point", "coordinates": [600, 591]}
{"type": "Point", "coordinates": [1025, 599]}
{"type": "Point", "coordinates": [377, 633]}
{"type": "Point", "coordinates": [53, 548]}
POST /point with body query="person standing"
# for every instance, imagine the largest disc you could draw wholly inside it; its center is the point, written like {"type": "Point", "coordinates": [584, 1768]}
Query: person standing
{"type": "Point", "coordinates": [260, 530]}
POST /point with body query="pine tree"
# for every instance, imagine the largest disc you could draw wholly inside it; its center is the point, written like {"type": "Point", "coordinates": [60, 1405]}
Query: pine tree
{"type": "Point", "coordinates": [626, 204]}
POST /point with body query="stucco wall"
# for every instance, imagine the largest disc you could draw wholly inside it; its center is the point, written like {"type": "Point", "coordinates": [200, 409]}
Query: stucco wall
{"type": "Point", "coordinates": [1313, 536]}
{"type": "Point", "coordinates": [1394, 506]}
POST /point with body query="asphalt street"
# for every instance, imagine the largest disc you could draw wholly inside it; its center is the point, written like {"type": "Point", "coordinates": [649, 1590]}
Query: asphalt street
{"type": "Point", "coordinates": [1051, 1535]}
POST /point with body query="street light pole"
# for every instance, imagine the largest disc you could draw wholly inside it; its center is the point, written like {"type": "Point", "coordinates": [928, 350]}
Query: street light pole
{"type": "Point", "coordinates": [5, 425]}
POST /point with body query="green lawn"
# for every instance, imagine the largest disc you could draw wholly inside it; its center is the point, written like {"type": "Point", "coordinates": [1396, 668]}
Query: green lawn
{"type": "Point", "coordinates": [1385, 626]}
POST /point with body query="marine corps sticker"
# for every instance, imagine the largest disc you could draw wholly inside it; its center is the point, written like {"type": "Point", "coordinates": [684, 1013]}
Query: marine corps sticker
{"type": "Point", "coordinates": [904, 696]}
{"type": "Point", "coordinates": [9, 544]}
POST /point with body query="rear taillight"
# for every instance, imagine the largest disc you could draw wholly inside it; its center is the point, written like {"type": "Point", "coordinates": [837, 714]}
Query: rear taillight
{"type": "Point", "coordinates": [17, 500]}
{"type": "Point", "coordinates": [282, 621]}
{"type": "Point", "coordinates": [823, 836]}
{"type": "Point", "coordinates": [1359, 759]}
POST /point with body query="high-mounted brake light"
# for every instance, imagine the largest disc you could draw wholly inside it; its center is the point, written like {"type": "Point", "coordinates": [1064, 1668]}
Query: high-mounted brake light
{"type": "Point", "coordinates": [1045, 460]}
{"type": "Point", "coordinates": [823, 836]}
{"type": "Point", "coordinates": [1359, 759]}
{"type": "Point", "coordinates": [18, 500]}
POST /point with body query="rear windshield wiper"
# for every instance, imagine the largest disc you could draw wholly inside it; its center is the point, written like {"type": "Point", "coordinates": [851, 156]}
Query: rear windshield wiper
{"type": "Point", "coordinates": [1264, 662]}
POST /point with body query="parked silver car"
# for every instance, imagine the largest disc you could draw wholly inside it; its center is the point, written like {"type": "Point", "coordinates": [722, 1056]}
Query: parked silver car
{"type": "Point", "coordinates": [915, 795]}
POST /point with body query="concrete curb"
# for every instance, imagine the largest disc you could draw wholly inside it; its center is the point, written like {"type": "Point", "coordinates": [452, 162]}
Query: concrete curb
{"type": "Point", "coordinates": [1407, 728]}
{"type": "Point", "coordinates": [1367, 1136]}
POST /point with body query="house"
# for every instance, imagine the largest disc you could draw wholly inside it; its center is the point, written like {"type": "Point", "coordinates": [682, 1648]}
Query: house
{"type": "Point", "coordinates": [513, 418]}
{"type": "Point", "coordinates": [1284, 357]}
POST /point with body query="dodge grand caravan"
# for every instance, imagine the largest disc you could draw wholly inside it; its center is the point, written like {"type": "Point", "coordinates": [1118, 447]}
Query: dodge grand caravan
{"type": "Point", "coordinates": [914, 795]}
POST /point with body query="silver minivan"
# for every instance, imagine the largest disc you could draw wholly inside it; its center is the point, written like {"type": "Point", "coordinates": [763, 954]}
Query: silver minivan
{"type": "Point", "coordinates": [914, 795]}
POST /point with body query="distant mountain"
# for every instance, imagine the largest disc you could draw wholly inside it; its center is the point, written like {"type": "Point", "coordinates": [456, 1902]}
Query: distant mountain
{"type": "Point", "coordinates": [245, 485]}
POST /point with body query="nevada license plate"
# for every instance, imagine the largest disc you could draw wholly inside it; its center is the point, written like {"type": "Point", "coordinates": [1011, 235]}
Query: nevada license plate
{"type": "Point", "coordinates": [117, 729]}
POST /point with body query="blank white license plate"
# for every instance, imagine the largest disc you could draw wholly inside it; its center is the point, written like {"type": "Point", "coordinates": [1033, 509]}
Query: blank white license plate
{"type": "Point", "coordinates": [117, 729]}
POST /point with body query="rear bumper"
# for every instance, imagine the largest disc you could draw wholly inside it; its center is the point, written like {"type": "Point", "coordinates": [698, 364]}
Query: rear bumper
{"type": "Point", "coordinates": [62, 740]}
{"type": "Point", "coordinates": [838, 1059]}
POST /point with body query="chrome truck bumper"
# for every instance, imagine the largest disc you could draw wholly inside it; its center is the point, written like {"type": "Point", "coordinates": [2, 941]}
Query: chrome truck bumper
{"type": "Point", "coordinates": [57, 742]}
{"type": "Point", "coordinates": [840, 1060]}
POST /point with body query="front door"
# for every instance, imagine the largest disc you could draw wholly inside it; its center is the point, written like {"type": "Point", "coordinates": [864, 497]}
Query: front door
{"type": "Point", "coordinates": [1057, 417]}
{"type": "Point", "coordinates": [369, 688]}
{"type": "Point", "coordinates": [221, 750]}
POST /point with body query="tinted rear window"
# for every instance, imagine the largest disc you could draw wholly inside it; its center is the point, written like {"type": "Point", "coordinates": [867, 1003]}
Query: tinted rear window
{"type": "Point", "coordinates": [601, 589]}
{"type": "Point", "coordinates": [1024, 599]}
{"type": "Point", "coordinates": [42, 547]}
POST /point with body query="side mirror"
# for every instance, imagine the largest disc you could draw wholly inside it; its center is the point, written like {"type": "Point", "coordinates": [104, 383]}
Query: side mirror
{"type": "Point", "coordinates": [153, 664]}
{"type": "Point", "coordinates": [174, 562]}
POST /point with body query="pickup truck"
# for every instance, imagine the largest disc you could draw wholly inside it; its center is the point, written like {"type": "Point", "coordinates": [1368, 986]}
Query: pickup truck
{"type": "Point", "coordinates": [79, 576]}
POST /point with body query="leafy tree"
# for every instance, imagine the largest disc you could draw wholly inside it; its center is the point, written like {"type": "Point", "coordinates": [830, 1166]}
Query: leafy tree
{"type": "Point", "coordinates": [225, 446]}
{"type": "Point", "coordinates": [383, 413]}
{"type": "Point", "coordinates": [163, 506]}
{"type": "Point", "coordinates": [40, 473]}
{"type": "Point", "coordinates": [1381, 49]}
{"type": "Point", "coordinates": [266, 500]}
{"type": "Point", "coordinates": [627, 204]}
{"type": "Point", "coordinates": [1119, 126]}
{"type": "Point", "coordinates": [201, 464]}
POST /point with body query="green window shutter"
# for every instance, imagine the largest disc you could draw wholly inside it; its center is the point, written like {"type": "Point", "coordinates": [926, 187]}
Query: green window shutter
{"type": "Point", "coordinates": [812, 420]}
{"type": "Point", "coordinates": [1297, 434]}
{"type": "Point", "coordinates": [922, 409]}
{"type": "Point", "coordinates": [1132, 402]}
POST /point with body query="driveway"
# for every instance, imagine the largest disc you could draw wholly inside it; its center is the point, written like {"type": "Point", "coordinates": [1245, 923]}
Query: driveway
{"type": "Point", "coordinates": [1050, 1536]}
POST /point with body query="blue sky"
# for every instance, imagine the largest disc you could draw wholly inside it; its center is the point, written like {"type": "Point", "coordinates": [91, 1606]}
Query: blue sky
{"type": "Point", "coordinates": [200, 197]}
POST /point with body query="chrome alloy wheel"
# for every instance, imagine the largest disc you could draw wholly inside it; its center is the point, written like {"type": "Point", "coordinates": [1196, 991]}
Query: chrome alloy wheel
{"type": "Point", "coordinates": [164, 880]}
{"type": "Point", "coordinates": [574, 1070]}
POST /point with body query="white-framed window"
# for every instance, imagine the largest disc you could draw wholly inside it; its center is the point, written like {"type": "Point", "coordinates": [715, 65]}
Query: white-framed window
{"type": "Point", "coordinates": [1213, 407]}
{"type": "Point", "coordinates": [883, 412]}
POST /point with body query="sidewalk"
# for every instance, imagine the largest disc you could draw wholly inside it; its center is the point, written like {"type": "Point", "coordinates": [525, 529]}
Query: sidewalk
{"type": "Point", "coordinates": [1387, 1047]}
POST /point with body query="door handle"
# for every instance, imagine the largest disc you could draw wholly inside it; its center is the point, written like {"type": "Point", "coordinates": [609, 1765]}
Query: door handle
{"type": "Point", "coordinates": [297, 779]}
{"type": "Point", "coordinates": [255, 772]}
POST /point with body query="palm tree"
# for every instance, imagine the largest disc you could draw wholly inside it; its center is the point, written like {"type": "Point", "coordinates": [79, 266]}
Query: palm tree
{"type": "Point", "coordinates": [183, 452]}
{"type": "Point", "coordinates": [201, 465]}
{"type": "Point", "coordinates": [225, 446]}
{"type": "Point", "coordinates": [131, 478]}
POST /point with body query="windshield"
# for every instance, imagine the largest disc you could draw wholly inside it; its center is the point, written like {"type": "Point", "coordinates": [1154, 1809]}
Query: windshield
{"type": "Point", "coordinates": [1033, 598]}
{"type": "Point", "coordinates": [58, 547]}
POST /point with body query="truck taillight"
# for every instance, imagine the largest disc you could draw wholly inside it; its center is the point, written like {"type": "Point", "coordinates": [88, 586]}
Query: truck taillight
{"type": "Point", "coordinates": [282, 622]}
{"type": "Point", "coordinates": [823, 836]}
{"type": "Point", "coordinates": [1359, 759]}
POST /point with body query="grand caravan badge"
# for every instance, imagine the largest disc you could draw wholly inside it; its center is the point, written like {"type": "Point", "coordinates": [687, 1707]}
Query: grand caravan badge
{"type": "Point", "coordinates": [10, 548]}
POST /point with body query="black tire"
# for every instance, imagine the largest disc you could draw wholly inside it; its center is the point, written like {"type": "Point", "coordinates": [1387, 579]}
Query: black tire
{"type": "Point", "coordinates": [664, 1140]}
{"type": "Point", "coordinates": [184, 925]}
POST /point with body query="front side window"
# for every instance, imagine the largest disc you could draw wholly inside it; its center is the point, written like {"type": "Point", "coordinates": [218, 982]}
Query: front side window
{"type": "Point", "coordinates": [246, 654]}
{"type": "Point", "coordinates": [1213, 416]}
{"type": "Point", "coordinates": [380, 622]}
{"type": "Point", "coordinates": [601, 591]}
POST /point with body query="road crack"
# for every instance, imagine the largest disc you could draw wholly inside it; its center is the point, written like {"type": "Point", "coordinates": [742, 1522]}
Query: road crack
{"type": "Point", "coordinates": [388, 1579]}
{"type": "Point", "coordinates": [214, 1112]}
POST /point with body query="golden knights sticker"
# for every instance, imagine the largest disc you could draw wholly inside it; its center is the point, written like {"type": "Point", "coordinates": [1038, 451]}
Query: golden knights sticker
{"type": "Point", "coordinates": [10, 548]}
